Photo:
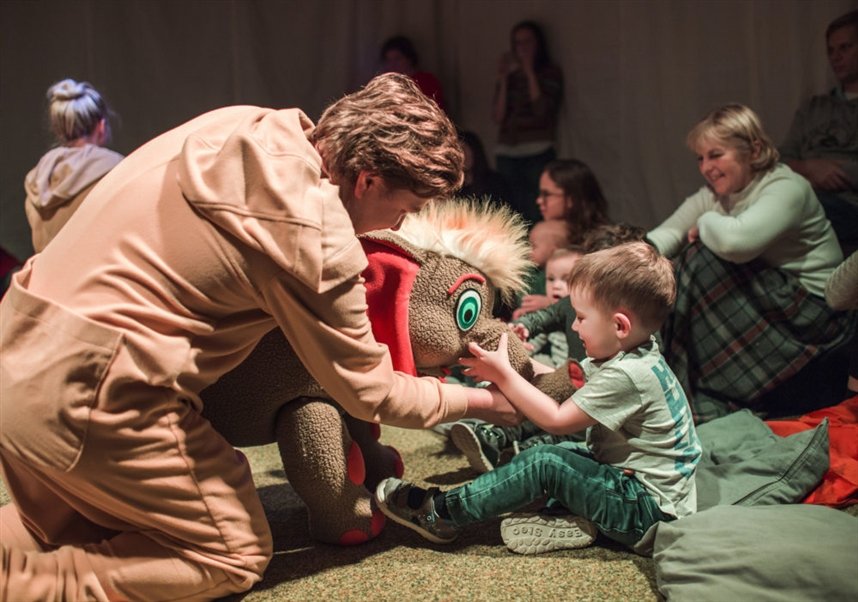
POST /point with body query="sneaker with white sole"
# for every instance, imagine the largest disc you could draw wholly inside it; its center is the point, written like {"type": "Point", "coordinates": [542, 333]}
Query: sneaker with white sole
{"type": "Point", "coordinates": [396, 499]}
{"type": "Point", "coordinates": [480, 451]}
{"type": "Point", "coordinates": [539, 533]}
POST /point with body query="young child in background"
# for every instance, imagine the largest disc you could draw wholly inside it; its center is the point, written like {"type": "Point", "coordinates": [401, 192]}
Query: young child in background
{"type": "Point", "coordinates": [638, 466]}
{"type": "Point", "coordinates": [486, 445]}
{"type": "Point", "coordinates": [551, 341]}
{"type": "Point", "coordinates": [545, 237]}
{"type": "Point", "coordinates": [560, 315]}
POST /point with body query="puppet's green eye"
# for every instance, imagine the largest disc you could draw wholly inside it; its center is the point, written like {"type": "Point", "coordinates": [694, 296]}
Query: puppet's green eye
{"type": "Point", "coordinates": [468, 310]}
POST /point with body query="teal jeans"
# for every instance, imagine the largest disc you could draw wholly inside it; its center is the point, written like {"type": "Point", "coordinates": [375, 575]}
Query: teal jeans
{"type": "Point", "coordinates": [618, 504]}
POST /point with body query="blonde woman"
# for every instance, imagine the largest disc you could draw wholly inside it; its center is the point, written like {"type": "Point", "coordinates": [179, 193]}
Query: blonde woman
{"type": "Point", "coordinates": [66, 174]}
{"type": "Point", "coordinates": [753, 252]}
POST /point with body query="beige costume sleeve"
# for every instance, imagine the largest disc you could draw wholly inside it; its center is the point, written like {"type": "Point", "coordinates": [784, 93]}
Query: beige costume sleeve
{"type": "Point", "coordinates": [331, 334]}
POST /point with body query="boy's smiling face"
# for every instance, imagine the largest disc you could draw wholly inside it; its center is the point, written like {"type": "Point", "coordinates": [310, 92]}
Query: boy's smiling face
{"type": "Point", "coordinates": [596, 327]}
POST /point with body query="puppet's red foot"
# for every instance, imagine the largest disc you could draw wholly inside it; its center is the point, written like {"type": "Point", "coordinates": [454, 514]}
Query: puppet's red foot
{"type": "Point", "coordinates": [355, 537]}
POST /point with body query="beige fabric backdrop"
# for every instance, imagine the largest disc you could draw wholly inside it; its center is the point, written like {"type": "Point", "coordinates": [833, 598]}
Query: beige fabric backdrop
{"type": "Point", "coordinates": [638, 72]}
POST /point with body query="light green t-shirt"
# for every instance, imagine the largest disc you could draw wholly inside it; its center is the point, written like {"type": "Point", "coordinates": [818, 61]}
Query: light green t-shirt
{"type": "Point", "coordinates": [644, 424]}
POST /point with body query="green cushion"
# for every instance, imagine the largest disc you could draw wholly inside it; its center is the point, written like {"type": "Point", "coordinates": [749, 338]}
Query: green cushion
{"type": "Point", "coordinates": [759, 553]}
{"type": "Point", "coordinates": [745, 463]}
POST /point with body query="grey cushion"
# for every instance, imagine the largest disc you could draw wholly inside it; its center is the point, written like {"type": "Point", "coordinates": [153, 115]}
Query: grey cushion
{"type": "Point", "coordinates": [759, 553]}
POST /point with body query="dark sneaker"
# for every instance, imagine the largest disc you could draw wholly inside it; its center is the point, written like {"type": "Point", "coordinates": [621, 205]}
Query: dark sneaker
{"type": "Point", "coordinates": [392, 496]}
{"type": "Point", "coordinates": [546, 439]}
{"type": "Point", "coordinates": [477, 444]}
{"type": "Point", "coordinates": [539, 533]}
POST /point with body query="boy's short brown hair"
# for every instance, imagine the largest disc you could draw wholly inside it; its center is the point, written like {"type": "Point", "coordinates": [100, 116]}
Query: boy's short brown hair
{"type": "Point", "coordinates": [390, 128]}
{"type": "Point", "coordinates": [633, 277]}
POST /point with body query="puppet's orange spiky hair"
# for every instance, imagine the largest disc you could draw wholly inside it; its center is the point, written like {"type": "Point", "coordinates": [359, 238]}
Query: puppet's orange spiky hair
{"type": "Point", "coordinates": [489, 236]}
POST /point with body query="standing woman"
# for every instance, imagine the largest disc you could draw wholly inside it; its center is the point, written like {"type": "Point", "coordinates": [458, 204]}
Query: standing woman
{"type": "Point", "coordinates": [526, 103]}
{"type": "Point", "coordinates": [66, 174]}
{"type": "Point", "coordinates": [753, 251]}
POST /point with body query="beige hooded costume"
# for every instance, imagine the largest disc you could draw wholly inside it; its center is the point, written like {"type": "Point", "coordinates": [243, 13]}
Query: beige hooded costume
{"type": "Point", "coordinates": [185, 255]}
{"type": "Point", "coordinates": [59, 183]}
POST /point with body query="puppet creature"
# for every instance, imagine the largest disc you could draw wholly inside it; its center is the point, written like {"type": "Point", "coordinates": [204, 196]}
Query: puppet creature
{"type": "Point", "coordinates": [430, 286]}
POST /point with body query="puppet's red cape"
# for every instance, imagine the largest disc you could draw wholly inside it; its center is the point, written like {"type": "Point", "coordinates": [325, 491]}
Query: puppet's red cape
{"type": "Point", "coordinates": [389, 280]}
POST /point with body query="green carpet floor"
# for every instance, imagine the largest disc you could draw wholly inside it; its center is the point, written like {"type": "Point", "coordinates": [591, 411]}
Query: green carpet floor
{"type": "Point", "coordinates": [401, 564]}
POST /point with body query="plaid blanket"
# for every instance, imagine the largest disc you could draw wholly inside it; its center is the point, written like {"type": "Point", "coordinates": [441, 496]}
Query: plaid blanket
{"type": "Point", "coordinates": [739, 330]}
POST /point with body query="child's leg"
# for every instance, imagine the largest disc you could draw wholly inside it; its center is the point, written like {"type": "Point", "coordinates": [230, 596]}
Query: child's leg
{"type": "Point", "coordinates": [617, 503]}
{"type": "Point", "coordinates": [546, 438]}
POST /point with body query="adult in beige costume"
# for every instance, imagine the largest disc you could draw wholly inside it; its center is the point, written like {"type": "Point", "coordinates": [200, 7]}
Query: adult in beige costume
{"type": "Point", "coordinates": [66, 174]}
{"type": "Point", "coordinates": [243, 219]}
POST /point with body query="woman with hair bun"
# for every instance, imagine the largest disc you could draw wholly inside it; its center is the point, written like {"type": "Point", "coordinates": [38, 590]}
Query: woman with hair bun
{"type": "Point", "coordinates": [753, 252]}
{"type": "Point", "coordinates": [67, 173]}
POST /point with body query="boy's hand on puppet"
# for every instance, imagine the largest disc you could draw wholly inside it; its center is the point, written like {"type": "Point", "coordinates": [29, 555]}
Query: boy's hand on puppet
{"type": "Point", "coordinates": [492, 366]}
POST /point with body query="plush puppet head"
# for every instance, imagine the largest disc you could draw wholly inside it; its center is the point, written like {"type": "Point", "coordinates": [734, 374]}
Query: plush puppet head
{"type": "Point", "coordinates": [432, 285]}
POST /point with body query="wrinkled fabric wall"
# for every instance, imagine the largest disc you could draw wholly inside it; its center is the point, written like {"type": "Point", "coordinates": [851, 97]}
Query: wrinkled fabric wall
{"type": "Point", "coordinates": [638, 73]}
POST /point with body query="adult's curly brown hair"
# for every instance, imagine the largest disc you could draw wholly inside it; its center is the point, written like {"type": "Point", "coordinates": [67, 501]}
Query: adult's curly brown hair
{"type": "Point", "coordinates": [391, 129]}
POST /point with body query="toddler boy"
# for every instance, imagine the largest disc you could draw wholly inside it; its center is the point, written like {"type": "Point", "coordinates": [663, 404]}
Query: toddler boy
{"type": "Point", "coordinates": [550, 341]}
{"type": "Point", "coordinates": [639, 462]}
